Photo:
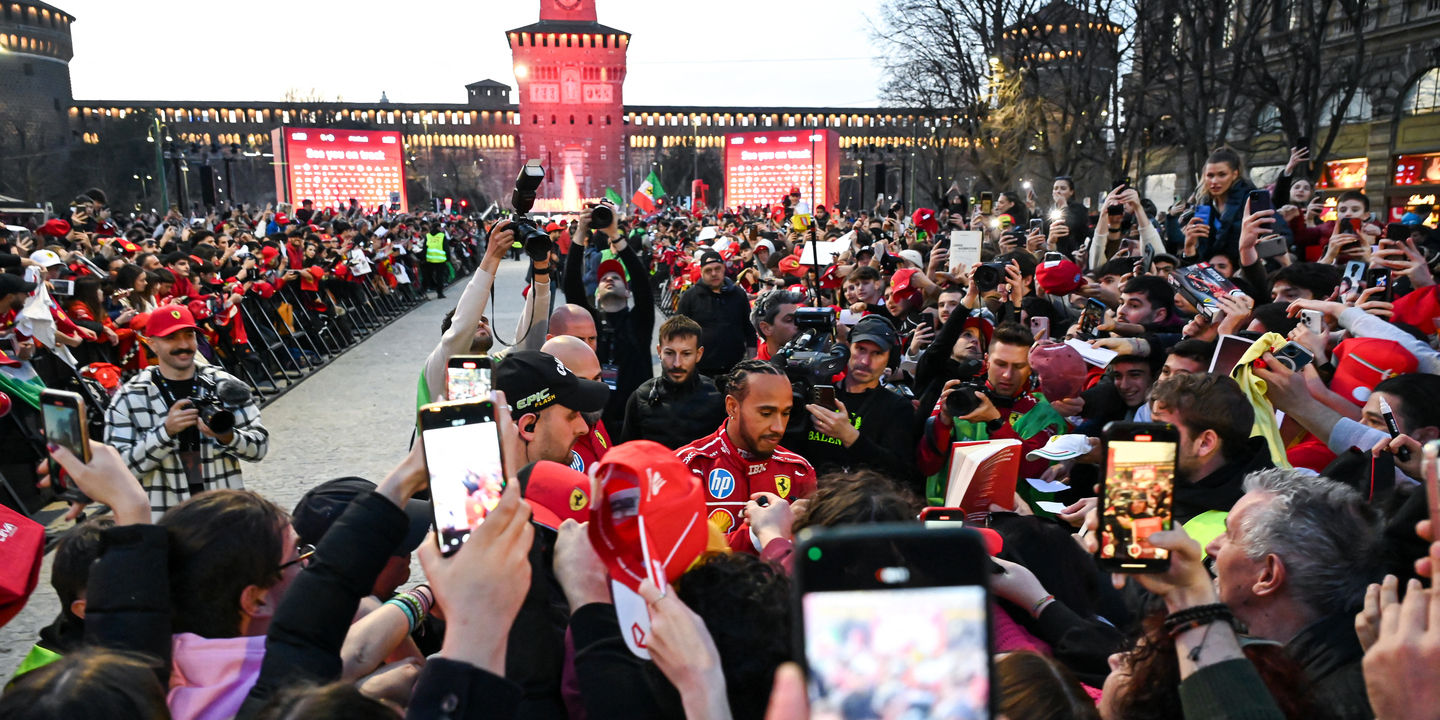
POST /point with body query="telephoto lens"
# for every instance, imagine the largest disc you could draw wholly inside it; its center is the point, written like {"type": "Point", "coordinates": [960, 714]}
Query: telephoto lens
{"type": "Point", "coordinates": [988, 276]}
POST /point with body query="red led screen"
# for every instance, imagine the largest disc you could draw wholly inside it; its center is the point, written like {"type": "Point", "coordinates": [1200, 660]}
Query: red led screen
{"type": "Point", "coordinates": [332, 166]}
{"type": "Point", "coordinates": [761, 167]}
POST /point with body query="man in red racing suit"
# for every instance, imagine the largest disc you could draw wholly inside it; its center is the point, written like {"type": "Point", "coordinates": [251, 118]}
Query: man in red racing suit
{"type": "Point", "coordinates": [744, 456]}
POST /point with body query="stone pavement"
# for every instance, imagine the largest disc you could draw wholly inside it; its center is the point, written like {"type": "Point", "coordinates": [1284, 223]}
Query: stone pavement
{"type": "Point", "coordinates": [352, 418]}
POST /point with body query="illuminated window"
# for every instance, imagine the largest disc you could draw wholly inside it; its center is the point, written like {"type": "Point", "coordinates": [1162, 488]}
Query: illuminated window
{"type": "Point", "coordinates": [591, 119]}
{"type": "Point", "coordinates": [607, 119]}
{"type": "Point", "coordinates": [572, 119]}
{"type": "Point", "coordinates": [534, 119]}
{"type": "Point", "coordinates": [553, 121]}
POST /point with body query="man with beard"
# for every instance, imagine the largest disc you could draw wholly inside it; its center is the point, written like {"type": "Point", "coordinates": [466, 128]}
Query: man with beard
{"type": "Point", "coordinates": [743, 458]}
{"type": "Point", "coordinates": [774, 319]}
{"type": "Point", "coordinates": [681, 404]}
{"type": "Point", "coordinates": [723, 309]}
{"type": "Point", "coordinates": [622, 331]}
{"type": "Point", "coordinates": [156, 427]}
{"type": "Point", "coordinates": [869, 426]}
{"type": "Point", "coordinates": [546, 402]}
{"type": "Point", "coordinates": [580, 359]}
{"type": "Point", "coordinates": [467, 331]}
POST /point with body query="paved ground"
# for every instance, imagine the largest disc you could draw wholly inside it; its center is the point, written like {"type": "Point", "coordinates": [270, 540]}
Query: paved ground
{"type": "Point", "coordinates": [352, 418]}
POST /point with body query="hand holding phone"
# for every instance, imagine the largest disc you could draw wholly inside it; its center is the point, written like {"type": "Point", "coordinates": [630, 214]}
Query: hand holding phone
{"type": "Point", "coordinates": [1136, 496]}
{"type": "Point", "coordinates": [465, 464]}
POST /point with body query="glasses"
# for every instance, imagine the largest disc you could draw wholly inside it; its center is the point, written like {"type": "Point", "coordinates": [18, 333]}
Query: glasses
{"type": "Point", "coordinates": [303, 559]}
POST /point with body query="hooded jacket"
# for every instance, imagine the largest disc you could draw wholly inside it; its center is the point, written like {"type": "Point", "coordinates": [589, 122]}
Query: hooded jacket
{"type": "Point", "coordinates": [1220, 490]}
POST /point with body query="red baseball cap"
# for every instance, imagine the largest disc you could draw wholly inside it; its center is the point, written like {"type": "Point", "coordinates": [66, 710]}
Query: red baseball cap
{"type": "Point", "coordinates": [269, 253]}
{"type": "Point", "coordinates": [281, 219]}
{"type": "Point", "coordinates": [924, 218]}
{"type": "Point", "coordinates": [167, 319]}
{"type": "Point", "coordinates": [54, 228]}
{"type": "Point", "coordinates": [985, 325]}
{"type": "Point", "coordinates": [901, 283]}
{"type": "Point", "coordinates": [1061, 370]}
{"type": "Point", "coordinates": [1059, 277]}
{"type": "Point", "coordinates": [22, 545]}
{"type": "Point", "coordinates": [648, 517]}
{"type": "Point", "coordinates": [610, 266]}
{"type": "Point", "coordinates": [555, 492]}
{"type": "Point", "coordinates": [1363, 363]}
{"type": "Point", "coordinates": [790, 265]}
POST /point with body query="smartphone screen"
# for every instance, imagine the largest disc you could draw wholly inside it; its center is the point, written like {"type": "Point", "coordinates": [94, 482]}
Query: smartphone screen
{"type": "Point", "coordinates": [64, 417]}
{"type": "Point", "coordinates": [987, 203]}
{"type": "Point", "coordinates": [1090, 319]}
{"type": "Point", "coordinates": [467, 376]}
{"type": "Point", "coordinates": [942, 517]}
{"type": "Point", "coordinates": [1379, 277]}
{"type": "Point", "coordinates": [1138, 492]}
{"type": "Point", "coordinates": [881, 620]}
{"type": "Point", "coordinates": [467, 475]}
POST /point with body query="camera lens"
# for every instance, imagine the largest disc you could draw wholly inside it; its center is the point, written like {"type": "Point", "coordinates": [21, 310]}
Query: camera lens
{"type": "Point", "coordinates": [601, 217]}
{"type": "Point", "coordinates": [962, 401]}
{"type": "Point", "coordinates": [987, 277]}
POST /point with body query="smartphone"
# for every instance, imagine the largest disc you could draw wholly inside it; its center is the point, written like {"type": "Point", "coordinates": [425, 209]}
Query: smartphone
{"type": "Point", "coordinates": [1123, 183]}
{"type": "Point", "coordinates": [1260, 201]}
{"type": "Point", "coordinates": [987, 203]}
{"type": "Point", "coordinates": [1054, 257]}
{"type": "Point", "coordinates": [1035, 224]}
{"type": "Point", "coordinates": [64, 416]}
{"type": "Point", "coordinates": [942, 517]}
{"type": "Point", "coordinates": [894, 610]}
{"type": "Point", "coordinates": [1294, 356]}
{"type": "Point", "coordinates": [1355, 273]}
{"type": "Point", "coordinates": [824, 396]}
{"type": "Point", "coordinates": [1147, 258]}
{"type": "Point", "coordinates": [62, 287]}
{"type": "Point", "coordinates": [1115, 210]}
{"type": "Point", "coordinates": [1273, 246]}
{"type": "Point", "coordinates": [1432, 488]}
{"type": "Point", "coordinates": [1137, 495]}
{"type": "Point", "coordinates": [1313, 320]}
{"type": "Point", "coordinates": [466, 467]}
{"type": "Point", "coordinates": [1379, 277]}
{"type": "Point", "coordinates": [1203, 214]}
{"type": "Point", "coordinates": [1090, 318]}
{"type": "Point", "coordinates": [467, 376]}
{"type": "Point", "coordinates": [1346, 226]}
{"type": "Point", "coordinates": [1040, 328]}
{"type": "Point", "coordinates": [1303, 142]}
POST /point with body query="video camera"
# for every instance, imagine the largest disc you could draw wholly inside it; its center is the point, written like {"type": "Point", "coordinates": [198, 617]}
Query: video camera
{"type": "Point", "coordinates": [534, 239]}
{"type": "Point", "coordinates": [813, 356]}
{"type": "Point", "coordinates": [962, 400]}
{"type": "Point", "coordinates": [217, 404]}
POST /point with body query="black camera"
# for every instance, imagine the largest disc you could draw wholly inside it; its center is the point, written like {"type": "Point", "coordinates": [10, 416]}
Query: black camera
{"type": "Point", "coordinates": [962, 400]}
{"type": "Point", "coordinates": [601, 216]}
{"type": "Point", "coordinates": [217, 405]}
{"type": "Point", "coordinates": [988, 276]}
{"type": "Point", "coordinates": [535, 240]}
{"type": "Point", "coordinates": [813, 357]}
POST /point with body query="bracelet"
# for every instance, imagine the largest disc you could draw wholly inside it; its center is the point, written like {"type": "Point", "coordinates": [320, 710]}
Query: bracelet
{"type": "Point", "coordinates": [539, 271]}
{"type": "Point", "coordinates": [1035, 611]}
{"type": "Point", "coordinates": [415, 604]}
{"type": "Point", "coordinates": [1191, 618]}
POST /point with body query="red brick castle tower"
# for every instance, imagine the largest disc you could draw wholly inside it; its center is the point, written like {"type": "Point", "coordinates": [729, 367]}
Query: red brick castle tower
{"type": "Point", "coordinates": [570, 70]}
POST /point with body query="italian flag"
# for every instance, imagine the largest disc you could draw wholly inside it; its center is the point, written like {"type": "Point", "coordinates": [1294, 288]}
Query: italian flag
{"type": "Point", "coordinates": [614, 197]}
{"type": "Point", "coordinates": [647, 193]}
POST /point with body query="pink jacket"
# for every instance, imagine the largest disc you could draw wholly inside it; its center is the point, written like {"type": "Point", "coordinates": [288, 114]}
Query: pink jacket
{"type": "Point", "coordinates": [211, 678]}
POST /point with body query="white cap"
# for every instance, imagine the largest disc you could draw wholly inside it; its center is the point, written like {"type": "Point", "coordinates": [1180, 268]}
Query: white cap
{"type": "Point", "coordinates": [765, 244]}
{"type": "Point", "coordinates": [913, 257]}
{"type": "Point", "coordinates": [46, 258]}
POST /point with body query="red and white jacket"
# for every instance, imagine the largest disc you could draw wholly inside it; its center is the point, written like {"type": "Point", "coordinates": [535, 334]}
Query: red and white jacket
{"type": "Point", "coordinates": [730, 475]}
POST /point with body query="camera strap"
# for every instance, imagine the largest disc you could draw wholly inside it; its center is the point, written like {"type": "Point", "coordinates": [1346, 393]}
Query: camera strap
{"type": "Point", "coordinates": [189, 439]}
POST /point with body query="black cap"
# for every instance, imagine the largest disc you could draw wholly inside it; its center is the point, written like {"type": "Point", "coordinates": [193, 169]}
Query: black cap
{"type": "Point", "coordinates": [876, 329]}
{"type": "Point", "coordinates": [534, 380]}
{"type": "Point", "coordinates": [14, 284]}
{"type": "Point", "coordinates": [326, 502]}
{"type": "Point", "coordinates": [710, 256]}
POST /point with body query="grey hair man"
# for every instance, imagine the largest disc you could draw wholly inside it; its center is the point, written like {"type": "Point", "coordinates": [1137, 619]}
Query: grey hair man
{"type": "Point", "coordinates": [774, 319]}
{"type": "Point", "coordinates": [1293, 563]}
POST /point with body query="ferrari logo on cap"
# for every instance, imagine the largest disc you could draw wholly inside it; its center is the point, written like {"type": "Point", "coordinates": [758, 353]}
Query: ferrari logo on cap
{"type": "Point", "coordinates": [578, 501]}
{"type": "Point", "coordinates": [175, 314]}
{"type": "Point", "coordinates": [782, 486]}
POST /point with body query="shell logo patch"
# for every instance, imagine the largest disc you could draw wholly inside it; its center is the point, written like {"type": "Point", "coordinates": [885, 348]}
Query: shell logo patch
{"type": "Point", "coordinates": [722, 519]}
{"type": "Point", "coordinates": [578, 500]}
{"type": "Point", "coordinates": [721, 483]}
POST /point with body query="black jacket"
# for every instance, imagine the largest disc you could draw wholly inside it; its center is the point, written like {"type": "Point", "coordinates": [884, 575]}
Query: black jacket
{"type": "Point", "coordinates": [623, 337]}
{"type": "Point", "coordinates": [673, 415]}
{"type": "Point", "coordinates": [1221, 489]}
{"type": "Point", "coordinates": [1330, 652]}
{"type": "Point", "coordinates": [887, 438]}
{"type": "Point", "coordinates": [724, 316]}
{"type": "Point", "coordinates": [614, 683]}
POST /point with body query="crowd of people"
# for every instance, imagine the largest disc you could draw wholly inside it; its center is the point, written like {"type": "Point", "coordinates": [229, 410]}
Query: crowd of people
{"type": "Point", "coordinates": [816, 370]}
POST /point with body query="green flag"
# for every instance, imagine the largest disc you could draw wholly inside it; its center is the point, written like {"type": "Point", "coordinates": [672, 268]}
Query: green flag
{"type": "Point", "coordinates": [614, 197]}
{"type": "Point", "coordinates": [655, 188]}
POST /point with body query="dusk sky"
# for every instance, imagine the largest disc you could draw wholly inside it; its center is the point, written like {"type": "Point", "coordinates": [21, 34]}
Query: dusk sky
{"type": "Point", "coordinates": [757, 53]}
